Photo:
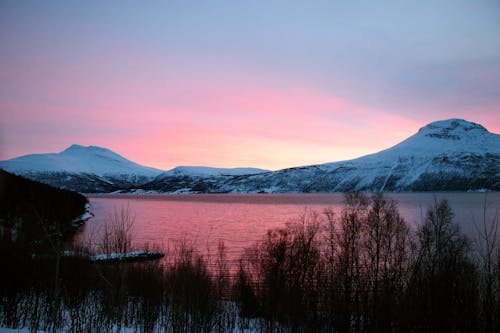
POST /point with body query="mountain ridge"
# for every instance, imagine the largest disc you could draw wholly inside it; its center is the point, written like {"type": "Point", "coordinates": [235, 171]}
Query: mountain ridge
{"type": "Point", "coordinates": [451, 154]}
{"type": "Point", "coordinates": [79, 159]}
{"type": "Point", "coordinates": [447, 155]}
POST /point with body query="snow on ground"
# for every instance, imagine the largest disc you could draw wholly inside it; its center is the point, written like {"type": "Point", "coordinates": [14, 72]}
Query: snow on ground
{"type": "Point", "coordinates": [122, 330]}
{"type": "Point", "coordinates": [87, 215]}
{"type": "Point", "coordinates": [84, 217]}
{"type": "Point", "coordinates": [27, 330]}
{"type": "Point", "coordinates": [13, 330]}
{"type": "Point", "coordinates": [129, 256]}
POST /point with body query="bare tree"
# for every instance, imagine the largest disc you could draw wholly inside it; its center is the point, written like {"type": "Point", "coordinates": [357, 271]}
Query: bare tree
{"type": "Point", "coordinates": [443, 290]}
{"type": "Point", "coordinates": [385, 260]}
{"type": "Point", "coordinates": [349, 238]}
{"type": "Point", "coordinates": [488, 250]}
{"type": "Point", "coordinates": [117, 234]}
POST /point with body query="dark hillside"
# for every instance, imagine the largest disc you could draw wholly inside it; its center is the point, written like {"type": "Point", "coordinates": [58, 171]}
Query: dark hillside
{"type": "Point", "coordinates": [31, 212]}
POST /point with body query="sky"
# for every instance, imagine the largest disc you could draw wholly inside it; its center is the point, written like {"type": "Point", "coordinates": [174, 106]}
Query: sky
{"type": "Point", "coordinates": [269, 84]}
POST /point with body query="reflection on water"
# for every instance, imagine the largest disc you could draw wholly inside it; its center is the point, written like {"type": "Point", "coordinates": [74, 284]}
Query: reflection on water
{"type": "Point", "coordinates": [240, 220]}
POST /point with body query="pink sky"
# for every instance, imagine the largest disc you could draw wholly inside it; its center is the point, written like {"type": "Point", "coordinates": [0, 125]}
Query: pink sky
{"type": "Point", "coordinates": [179, 84]}
{"type": "Point", "coordinates": [213, 123]}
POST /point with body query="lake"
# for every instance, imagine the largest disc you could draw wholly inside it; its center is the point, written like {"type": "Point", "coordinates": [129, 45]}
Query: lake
{"type": "Point", "coordinates": [241, 219]}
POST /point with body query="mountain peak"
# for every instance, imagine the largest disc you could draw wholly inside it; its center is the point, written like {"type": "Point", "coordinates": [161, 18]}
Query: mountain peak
{"type": "Point", "coordinates": [79, 159]}
{"type": "Point", "coordinates": [451, 129]}
{"type": "Point", "coordinates": [79, 148]}
{"type": "Point", "coordinates": [74, 146]}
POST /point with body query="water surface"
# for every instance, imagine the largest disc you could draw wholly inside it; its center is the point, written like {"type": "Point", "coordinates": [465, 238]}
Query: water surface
{"type": "Point", "coordinates": [241, 219]}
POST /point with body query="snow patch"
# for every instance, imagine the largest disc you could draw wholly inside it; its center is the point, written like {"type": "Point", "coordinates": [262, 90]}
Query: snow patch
{"type": "Point", "coordinates": [112, 257]}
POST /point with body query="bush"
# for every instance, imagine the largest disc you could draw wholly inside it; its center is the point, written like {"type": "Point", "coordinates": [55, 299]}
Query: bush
{"type": "Point", "coordinates": [359, 270]}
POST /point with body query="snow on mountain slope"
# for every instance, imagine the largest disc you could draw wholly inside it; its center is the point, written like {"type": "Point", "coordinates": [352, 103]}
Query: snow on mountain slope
{"type": "Point", "coordinates": [96, 169]}
{"type": "Point", "coordinates": [443, 137]}
{"type": "Point", "coordinates": [448, 155]}
{"type": "Point", "coordinates": [447, 149]}
{"type": "Point", "coordinates": [79, 159]}
{"type": "Point", "coordinates": [445, 155]}
{"type": "Point", "coordinates": [202, 171]}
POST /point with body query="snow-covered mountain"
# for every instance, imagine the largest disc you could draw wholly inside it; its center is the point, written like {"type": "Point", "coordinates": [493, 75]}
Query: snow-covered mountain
{"type": "Point", "coordinates": [202, 171]}
{"type": "Point", "coordinates": [195, 179]}
{"type": "Point", "coordinates": [448, 155]}
{"type": "Point", "coordinates": [79, 159]}
{"type": "Point", "coordinates": [86, 169]}
{"type": "Point", "coordinates": [95, 169]}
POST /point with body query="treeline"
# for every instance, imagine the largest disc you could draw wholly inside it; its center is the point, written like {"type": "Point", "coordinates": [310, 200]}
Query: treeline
{"type": "Point", "coordinates": [33, 214]}
{"type": "Point", "coordinates": [362, 269]}
{"type": "Point", "coordinates": [366, 270]}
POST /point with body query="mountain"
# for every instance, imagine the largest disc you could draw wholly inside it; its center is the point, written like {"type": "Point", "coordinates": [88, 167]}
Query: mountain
{"type": "Point", "coordinates": [95, 169]}
{"type": "Point", "coordinates": [85, 169]}
{"type": "Point", "coordinates": [448, 155]}
{"type": "Point", "coordinates": [196, 179]}
{"type": "Point", "coordinates": [202, 171]}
